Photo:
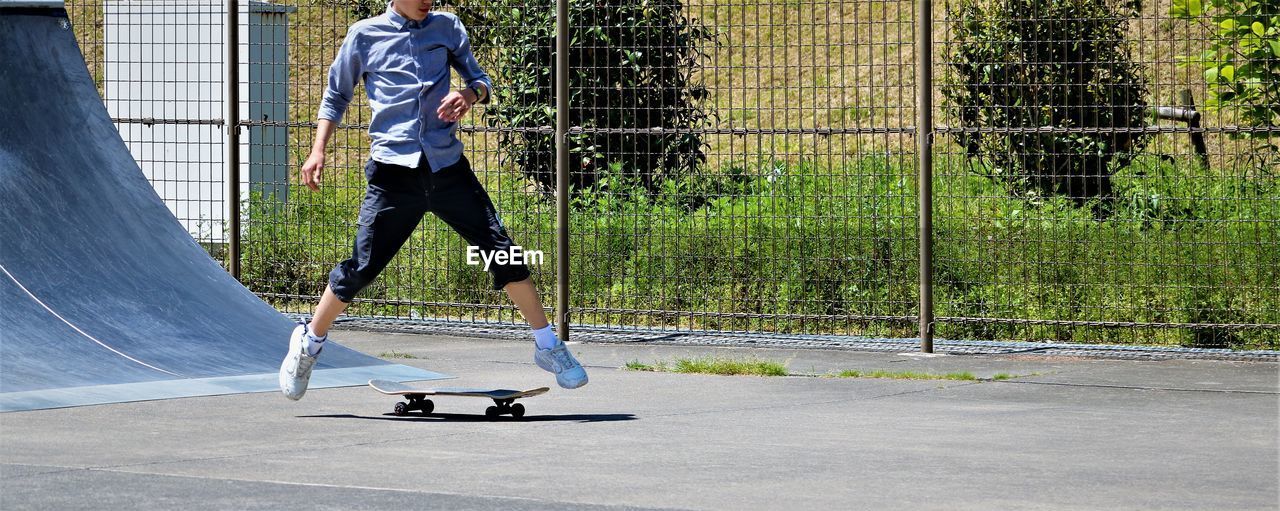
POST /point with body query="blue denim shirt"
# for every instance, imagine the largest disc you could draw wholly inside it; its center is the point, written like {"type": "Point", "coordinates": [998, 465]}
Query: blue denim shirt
{"type": "Point", "coordinates": [405, 66]}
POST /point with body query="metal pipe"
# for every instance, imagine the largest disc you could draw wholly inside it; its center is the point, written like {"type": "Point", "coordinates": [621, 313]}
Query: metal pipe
{"type": "Point", "coordinates": [1176, 113]}
{"type": "Point", "coordinates": [924, 165]}
{"type": "Point", "coordinates": [231, 109]}
{"type": "Point", "coordinates": [562, 169]}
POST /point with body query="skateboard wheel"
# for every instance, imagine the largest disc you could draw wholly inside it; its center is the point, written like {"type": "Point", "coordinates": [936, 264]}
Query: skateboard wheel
{"type": "Point", "coordinates": [401, 409]}
{"type": "Point", "coordinates": [517, 410]}
{"type": "Point", "coordinates": [492, 412]}
{"type": "Point", "coordinates": [427, 406]}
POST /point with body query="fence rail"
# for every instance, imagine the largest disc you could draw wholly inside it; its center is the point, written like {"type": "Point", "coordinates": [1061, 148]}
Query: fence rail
{"type": "Point", "coordinates": [981, 169]}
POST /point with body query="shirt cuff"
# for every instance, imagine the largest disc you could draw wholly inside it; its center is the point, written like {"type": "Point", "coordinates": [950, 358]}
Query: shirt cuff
{"type": "Point", "coordinates": [329, 113]}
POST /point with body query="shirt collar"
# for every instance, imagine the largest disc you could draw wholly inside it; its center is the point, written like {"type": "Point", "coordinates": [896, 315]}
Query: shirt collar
{"type": "Point", "coordinates": [395, 17]}
{"type": "Point", "coordinates": [400, 22]}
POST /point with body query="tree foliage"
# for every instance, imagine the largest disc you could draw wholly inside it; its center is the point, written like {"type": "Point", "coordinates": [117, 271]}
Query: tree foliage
{"type": "Point", "coordinates": [1241, 64]}
{"type": "Point", "coordinates": [1047, 92]}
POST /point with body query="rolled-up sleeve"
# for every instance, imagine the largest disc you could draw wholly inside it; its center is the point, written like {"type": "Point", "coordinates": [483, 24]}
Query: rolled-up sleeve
{"type": "Point", "coordinates": [344, 74]}
{"type": "Point", "coordinates": [465, 63]}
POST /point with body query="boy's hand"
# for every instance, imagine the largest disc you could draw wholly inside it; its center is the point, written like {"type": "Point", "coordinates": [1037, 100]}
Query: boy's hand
{"type": "Point", "coordinates": [456, 105]}
{"type": "Point", "coordinates": [311, 170]}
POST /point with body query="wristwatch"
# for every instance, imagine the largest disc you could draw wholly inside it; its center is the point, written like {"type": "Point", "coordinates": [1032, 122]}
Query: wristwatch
{"type": "Point", "coordinates": [478, 89]}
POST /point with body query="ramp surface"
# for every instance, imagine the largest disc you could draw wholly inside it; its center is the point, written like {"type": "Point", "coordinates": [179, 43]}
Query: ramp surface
{"type": "Point", "coordinates": [104, 297]}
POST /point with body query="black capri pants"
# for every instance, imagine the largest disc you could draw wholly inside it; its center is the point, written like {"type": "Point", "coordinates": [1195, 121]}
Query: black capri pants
{"type": "Point", "coordinates": [395, 202]}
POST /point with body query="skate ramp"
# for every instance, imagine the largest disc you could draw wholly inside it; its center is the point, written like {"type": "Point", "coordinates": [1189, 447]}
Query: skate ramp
{"type": "Point", "coordinates": [104, 296]}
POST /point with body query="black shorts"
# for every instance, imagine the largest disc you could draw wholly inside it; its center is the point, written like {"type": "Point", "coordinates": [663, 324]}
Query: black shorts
{"type": "Point", "coordinates": [395, 202]}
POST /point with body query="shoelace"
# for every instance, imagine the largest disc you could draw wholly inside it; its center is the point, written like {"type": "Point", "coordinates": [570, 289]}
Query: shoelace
{"type": "Point", "coordinates": [304, 364]}
{"type": "Point", "coordinates": [562, 358]}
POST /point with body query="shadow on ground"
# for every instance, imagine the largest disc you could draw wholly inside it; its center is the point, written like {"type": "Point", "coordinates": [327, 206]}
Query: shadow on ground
{"type": "Point", "coordinates": [456, 417]}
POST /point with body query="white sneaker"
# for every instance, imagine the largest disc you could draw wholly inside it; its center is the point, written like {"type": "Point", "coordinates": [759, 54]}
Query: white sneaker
{"type": "Point", "coordinates": [557, 360]}
{"type": "Point", "coordinates": [295, 371]}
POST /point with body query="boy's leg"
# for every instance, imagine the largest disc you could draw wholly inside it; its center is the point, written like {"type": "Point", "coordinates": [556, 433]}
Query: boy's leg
{"type": "Point", "coordinates": [525, 295]}
{"type": "Point", "coordinates": [328, 310]}
{"type": "Point", "coordinates": [393, 205]}
{"type": "Point", "coordinates": [458, 199]}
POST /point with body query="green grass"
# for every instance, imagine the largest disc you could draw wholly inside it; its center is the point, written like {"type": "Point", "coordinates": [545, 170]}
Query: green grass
{"type": "Point", "coordinates": [713, 365]}
{"type": "Point", "coordinates": [907, 375]}
{"type": "Point", "coordinates": [755, 367]}
{"type": "Point", "coordinates": [396, 354]}
{"type": "Point", "coordinates": [636, 365]}
{"type": "Point", "coordinates": [822, 241]}
{"type": "Point", "coordinates": [730, 367]}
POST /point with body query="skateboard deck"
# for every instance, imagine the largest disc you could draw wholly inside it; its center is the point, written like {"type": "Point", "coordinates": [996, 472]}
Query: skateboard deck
{"type": "Point", "coordinates": [416, 398]}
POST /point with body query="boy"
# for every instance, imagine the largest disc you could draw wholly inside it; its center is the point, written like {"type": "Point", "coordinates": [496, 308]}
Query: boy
{"type": "Point", "coordinates": [416, 165]}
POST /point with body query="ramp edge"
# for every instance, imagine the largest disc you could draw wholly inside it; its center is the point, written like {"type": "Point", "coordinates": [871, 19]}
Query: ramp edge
{"type": "Point", "coordinates": [39, 4]}
{"type": "Point", "coordinates": [199, 387]}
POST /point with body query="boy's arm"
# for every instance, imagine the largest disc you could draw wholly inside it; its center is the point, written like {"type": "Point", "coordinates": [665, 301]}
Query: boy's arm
{"type": "Point", "coordinates": [343, 75]}
{"type": "Point", "coordinates": [465, 63]}
{"type": "Point", "coordinates": [314, 166]}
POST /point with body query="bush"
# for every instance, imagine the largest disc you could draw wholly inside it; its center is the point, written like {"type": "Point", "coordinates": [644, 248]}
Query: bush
{"type": "Point", "coordinates": [633, 66]}
{"type": "Point", "coordinates": [1025, 64]}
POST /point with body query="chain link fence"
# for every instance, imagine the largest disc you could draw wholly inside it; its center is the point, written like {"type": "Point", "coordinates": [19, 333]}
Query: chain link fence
{"type": "Point", "coordinates": [1102, 171]}
{"type": "Point", "coordinates": [1096, 182]}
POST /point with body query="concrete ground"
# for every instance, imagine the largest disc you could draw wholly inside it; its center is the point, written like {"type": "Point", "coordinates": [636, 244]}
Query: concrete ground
{"type": "Point", "coordinates": [1063, 434]}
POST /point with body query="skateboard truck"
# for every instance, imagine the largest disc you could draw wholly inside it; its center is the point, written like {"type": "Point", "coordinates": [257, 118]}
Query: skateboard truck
{"type": "Point", "coordinates": [504, 407]}
{"type": "Point", "coordinates": [415, 403]}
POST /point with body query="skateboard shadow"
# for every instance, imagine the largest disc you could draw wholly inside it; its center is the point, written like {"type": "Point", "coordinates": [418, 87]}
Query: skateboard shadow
{"type": "Point", "coordinates": [457, 417]}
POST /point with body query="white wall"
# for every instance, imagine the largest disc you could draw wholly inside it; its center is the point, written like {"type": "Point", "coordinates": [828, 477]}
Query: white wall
{"type": "Point", "coordinates": [164, 61]}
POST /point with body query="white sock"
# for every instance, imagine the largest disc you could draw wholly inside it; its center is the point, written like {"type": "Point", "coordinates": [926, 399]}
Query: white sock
{"type": "Point", "coordinates": [314, 344]}
{"type": "Point", "coordinates": [545, 337]}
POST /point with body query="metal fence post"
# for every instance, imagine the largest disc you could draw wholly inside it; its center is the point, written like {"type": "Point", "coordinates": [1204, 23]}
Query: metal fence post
{"type": "Point", "coordinates": [562, 169]}
{"type": "Point", "coordinates": [231, 120]}
{"type": "Point", "coordinates": [924, 165]}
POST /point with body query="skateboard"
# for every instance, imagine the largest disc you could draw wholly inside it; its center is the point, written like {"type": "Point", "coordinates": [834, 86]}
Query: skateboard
{"type": "Point", "coordinates": [416, 398]}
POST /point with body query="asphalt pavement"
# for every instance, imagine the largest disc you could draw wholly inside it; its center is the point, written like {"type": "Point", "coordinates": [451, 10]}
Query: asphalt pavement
{"type": "Point", "coordinates": [1059, 433]}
